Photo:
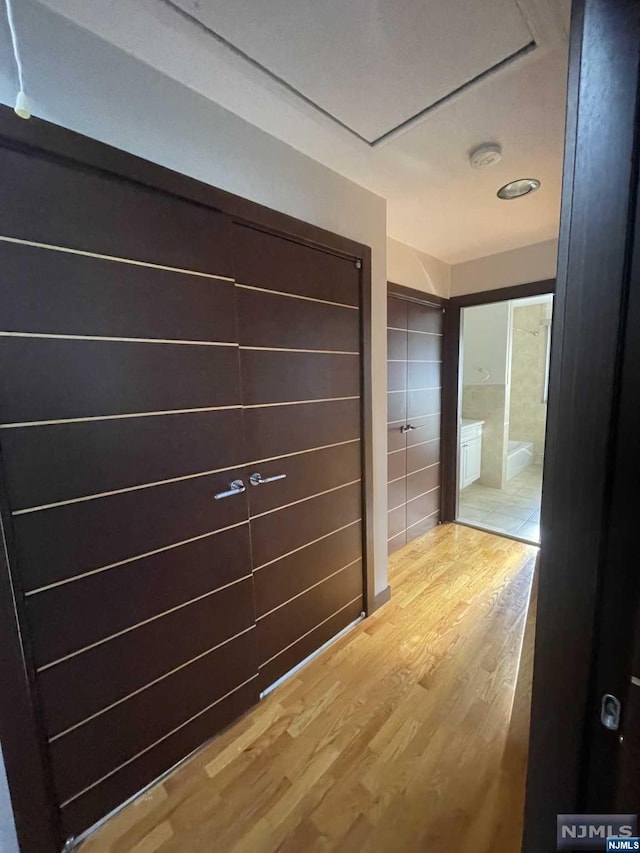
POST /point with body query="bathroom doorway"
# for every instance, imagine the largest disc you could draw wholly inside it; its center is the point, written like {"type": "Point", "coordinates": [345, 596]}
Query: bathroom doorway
{"type": "Point", "coordinates": [502, 410]}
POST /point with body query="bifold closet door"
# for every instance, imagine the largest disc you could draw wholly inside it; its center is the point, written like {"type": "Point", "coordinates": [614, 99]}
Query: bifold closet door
{"type": "Point", "coordinates": [299, 326]}
{"type": "Point", "coordinates": [121, 419]}
{"type": "Point", "coordinates": [414, 391]}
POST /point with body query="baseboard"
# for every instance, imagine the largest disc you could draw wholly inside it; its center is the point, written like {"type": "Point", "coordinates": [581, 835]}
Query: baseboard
{"type": "Point", "coordinates": [380, 599]}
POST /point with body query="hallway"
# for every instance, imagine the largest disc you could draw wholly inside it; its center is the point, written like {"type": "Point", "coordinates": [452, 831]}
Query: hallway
{"type": "Point", "coordinates": [399, 737]}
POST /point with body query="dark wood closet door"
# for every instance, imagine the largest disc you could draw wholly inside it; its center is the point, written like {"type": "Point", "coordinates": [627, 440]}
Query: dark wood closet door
{"type": "Point", "coordinates": [299, 325]}
{"type": "Point", "coordinates": [121, 418]}
{"type": "Point", "coordinates": [414, 390]}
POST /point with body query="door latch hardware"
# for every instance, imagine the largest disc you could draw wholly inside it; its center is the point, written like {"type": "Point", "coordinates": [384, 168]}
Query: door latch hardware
{"type": "Point", "coordinates": [610, 712]}
{"type": "Point", "coordinates": [258, 480]}
{"type": "Point", "coordinates": [237, 487]}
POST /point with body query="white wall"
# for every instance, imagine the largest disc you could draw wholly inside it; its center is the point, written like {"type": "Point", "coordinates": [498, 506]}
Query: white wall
{"type": "Point", "coordinates": [485, 337]}
{"type": "Point", "coordinates": [8, 841]}
{"type": "Point", "coordinates": [530, 263]}
{"type": "Point", "coordinates": [413, 268]}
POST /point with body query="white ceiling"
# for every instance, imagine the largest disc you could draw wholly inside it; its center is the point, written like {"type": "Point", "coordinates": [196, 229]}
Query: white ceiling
{"type": "Point", "coordinates": [370, 65]}
{"type": "Point", "coordinates": [330, 78]}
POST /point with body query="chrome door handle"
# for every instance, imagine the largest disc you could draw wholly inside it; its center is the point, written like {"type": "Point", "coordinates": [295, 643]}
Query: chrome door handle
{"type": "Point", "coordinates": [258, 480]}
{"type": "Point", "coordinates": [408, 428]}
{"type": "Point", "coordinates": [237, 487]}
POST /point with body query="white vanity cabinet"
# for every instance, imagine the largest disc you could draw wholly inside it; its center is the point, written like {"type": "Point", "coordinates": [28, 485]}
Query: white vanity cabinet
{"type": "Point", "coordinates": [470, 451]}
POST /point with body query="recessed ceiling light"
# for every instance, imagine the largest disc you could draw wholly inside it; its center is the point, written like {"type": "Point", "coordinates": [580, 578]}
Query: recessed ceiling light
{"type": "Point", "coordinates": [516, 189]}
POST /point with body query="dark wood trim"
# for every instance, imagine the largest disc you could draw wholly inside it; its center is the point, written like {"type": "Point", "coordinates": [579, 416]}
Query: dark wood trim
{"type": "Point", "coordinates": [451, 377]}
{"type": "Point", "coordinates": [382, 598]}
{"type": "Point", "coordinates": [22, 732]}
{"type": "Point", "coordinates": [597, 218]}
{"type": "Point", "coordinates": [450, 426]}
{"type": "Point", "coordinates": [21, 726]}
{"type": "Point", "coordinates": [503, 294]}
{"type": "Point", "coordinates": [414, 295]}
{"type": "Point", "coordinates": [612, 776]}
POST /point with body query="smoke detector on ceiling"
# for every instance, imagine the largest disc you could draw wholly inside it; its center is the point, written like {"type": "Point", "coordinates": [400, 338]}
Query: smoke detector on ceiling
{"type": "Point", "coordinates": [487, 154]}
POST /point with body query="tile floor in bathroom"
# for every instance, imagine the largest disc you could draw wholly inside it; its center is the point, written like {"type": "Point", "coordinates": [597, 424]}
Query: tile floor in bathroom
{"type": "Point", "coordinates": [514, 509]}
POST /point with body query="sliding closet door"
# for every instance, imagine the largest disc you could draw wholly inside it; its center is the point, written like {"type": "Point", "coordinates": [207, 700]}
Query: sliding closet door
{"type": "Point", "coordinates": [299, 323]}
{"type": "Point", "coordinates": [121, 421]}
{"type": "Point", "coordinates": [414, 385]}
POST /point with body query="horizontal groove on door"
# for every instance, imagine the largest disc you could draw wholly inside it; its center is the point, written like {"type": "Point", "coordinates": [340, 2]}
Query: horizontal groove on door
{"type": "Point", "coordinates": [396, 493]}
{"type": "Point", "coordinates": [291, 574]}
{"type": "Point", "coordinates": [45, 379]}
{"type": "Point", "coordinates": [422, 455]}
{"type": "Point", "coordinates": [397, 350]}
{"type": "Point", "coordinates": [280, 532]}
{"type": "Point", "coordinates": [426, 347]}
{"type": "Point", "coordinates": [305, 645]}
{"type": "Point", "coordinates": [118, 340]}
{"type": "Point", "coordinates": [160, 229]}
{"type": "Point", "coordinates": [423, 525]}
{"type": "Point", "coordinates": [54, 545]}
{"type": "Point", "coordinates": [424, 375]}
{"type": "Point", "coordinates": [80, 686]}
{"type": "Point", "coordinates": [397, 313]}
{"type": "Point", "coordinates": [142, 624]}
{"type": "Point", "coordinates": [110, 299]}
{"type": "Point", "coordinates": [303, 500]}
{"type": "Point", "coordinates": [306, 474]}
{"type": "Point", "coordinates": [396, 542]}
{"type": "Point", "coordinates": [284, 295]}
{"type": "Point", "coordinates": [269, 377]}
{"type": "Point", "coordinates": [415, 332]}
{"type": "Point", "coordinates": [86, 809]}
{"type": "Point", "coordinates": [396, 520]}
{"type": "Point", "coordinates": [396, 407]}
{"type": "Point", "coordinates": [272, 431]}
{"type": "Point", "coordinates": [423, 507]}
{"type": "Point", "coordinates": [284, 626]}
{"type": "Point", "coordinates": [396, 465]}
{"type": "Point", "coordinates": [423, 481]}
{"type": "Point", "coordinates": [428, 429]}
{"type": "Point", "coordinates": [396, 376]}
{"type": "Point", "coordinates": [276, 263]}
{"type": "Point", "coordinates": [127, 416]}
{"type": "Point", "coordinates": [71, 617]}
{"type": "Point", "coordinates": [89, 752]}
{"type": "Point", "coordinates": [312, 587]}
{"type": "Point", "coordinates": [266, 320]}
{"type": "Point", "coordinates": [68, 461]}
{"type": "Point", "coordinates": [423, 318]}
{"type": "Point", "coordinates": [287, 403]}
{"type": "Point", "coordinates": [114, 259]}
{"type": "Point", "coordinates": [422, 403]}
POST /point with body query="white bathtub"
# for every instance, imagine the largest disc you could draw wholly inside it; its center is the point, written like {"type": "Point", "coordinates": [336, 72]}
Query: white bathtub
{"type": "Point", "coordinates": [519, 457]}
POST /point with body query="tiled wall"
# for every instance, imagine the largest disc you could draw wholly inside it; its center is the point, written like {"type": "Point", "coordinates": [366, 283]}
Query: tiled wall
{"type": "Point", "coordinates": [528, 412]}
{"type": "Point", "coordinates": [490, 404]}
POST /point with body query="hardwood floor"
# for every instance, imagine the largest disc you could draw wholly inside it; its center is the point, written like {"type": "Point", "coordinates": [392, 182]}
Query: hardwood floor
{"type": "Point", "coordinates": [408, 734]}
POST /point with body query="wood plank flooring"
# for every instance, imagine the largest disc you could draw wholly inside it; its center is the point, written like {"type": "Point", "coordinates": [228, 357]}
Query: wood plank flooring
{"type": "Point", "coordinates": [407, 734]}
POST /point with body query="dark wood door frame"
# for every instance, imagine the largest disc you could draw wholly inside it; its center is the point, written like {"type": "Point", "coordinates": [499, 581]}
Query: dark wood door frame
{"type": "Point", "coordinates": [451, 377]}
{"type": "Point", "coordinates": [21, 729]}
{"type": "Point", "coordinates": [414, 295]}
{"type": "Point", "coordinates": [579, 536]}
